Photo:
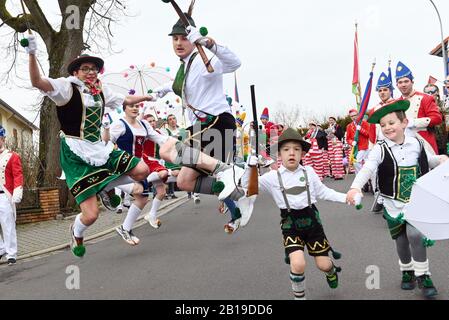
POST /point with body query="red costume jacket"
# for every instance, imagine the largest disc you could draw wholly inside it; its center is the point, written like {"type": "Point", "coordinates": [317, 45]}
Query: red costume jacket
{"type": "Point", "coordinates": [363, 135]}
{"type": "Point", "coordinates": [425, 114]}
{"type": "Point", "coordinates": [11, 177]}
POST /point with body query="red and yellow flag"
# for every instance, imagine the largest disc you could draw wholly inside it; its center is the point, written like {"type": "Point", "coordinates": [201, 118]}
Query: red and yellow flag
{"type": "Point", "coordinates": [356, 90]}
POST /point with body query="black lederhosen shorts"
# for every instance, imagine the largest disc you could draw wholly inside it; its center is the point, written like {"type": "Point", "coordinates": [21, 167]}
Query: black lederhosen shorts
{"type": "Point", "coordinates": [224, 148]}
{"type": "Point", "coordinates": [301, 228]}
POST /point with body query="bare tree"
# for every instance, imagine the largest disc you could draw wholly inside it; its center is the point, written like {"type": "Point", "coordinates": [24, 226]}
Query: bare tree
{"type": "Point", "coordinates": [84, 24]}
{"type": "Point", "coordinates": [289, 117]}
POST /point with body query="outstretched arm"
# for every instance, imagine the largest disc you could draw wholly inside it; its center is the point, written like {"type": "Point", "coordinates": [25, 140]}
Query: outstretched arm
{"type": "Point", "coordinates": [36, 80]}
{"type": "Point", "coordinates": [131, 100]}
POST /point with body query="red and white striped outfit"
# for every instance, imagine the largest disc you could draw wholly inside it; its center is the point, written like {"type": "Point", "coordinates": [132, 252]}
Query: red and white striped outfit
{"type": "Point", "coordinates": [335, 147]}
{"type": "Point", "coordinates": [316, 159]}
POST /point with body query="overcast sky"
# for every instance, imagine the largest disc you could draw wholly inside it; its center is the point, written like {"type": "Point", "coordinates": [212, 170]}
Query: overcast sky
{"type": "Point", "coordinates": [297, 53]}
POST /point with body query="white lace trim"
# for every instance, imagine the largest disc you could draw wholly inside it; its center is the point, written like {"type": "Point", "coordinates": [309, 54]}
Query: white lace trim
{"type": "Point", "coordinates": [95, 154]}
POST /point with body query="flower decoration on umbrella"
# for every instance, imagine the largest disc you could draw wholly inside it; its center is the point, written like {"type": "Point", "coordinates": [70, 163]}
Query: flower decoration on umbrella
{"type": "Point", "coordinates": [142, 80]}
{"type": "Point", "coordinates": [137, 80]}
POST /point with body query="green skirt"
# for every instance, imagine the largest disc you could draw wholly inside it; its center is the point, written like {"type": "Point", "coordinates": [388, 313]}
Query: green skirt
{"type": "Point", "coordinates": [85, 180]}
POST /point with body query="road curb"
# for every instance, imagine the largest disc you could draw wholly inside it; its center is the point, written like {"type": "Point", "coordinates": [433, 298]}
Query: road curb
{"type": "Point", "coordinates": [172, 204]}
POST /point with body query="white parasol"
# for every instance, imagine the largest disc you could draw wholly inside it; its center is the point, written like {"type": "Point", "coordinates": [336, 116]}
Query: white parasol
{"type": "Point", "coordinates": [428, 209]}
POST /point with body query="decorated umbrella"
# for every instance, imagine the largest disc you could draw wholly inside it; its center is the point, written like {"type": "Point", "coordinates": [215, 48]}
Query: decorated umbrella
{"type": "Point", "coordinates": [428, 209]}
{"type": "Point", "coordinates": [142, 80]}
{"type": "Point", "coordinates": [138, 80]}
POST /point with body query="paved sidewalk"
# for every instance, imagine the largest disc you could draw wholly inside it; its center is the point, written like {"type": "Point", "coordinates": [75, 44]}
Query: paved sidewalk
{"type": "Point", "coordinates": [44, 237]}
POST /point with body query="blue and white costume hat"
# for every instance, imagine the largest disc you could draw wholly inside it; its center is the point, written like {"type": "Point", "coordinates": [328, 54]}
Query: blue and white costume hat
{"type": "Point", "coordinates": [384, 82]}
{"type": "Point", "coordinates": [402, 71]}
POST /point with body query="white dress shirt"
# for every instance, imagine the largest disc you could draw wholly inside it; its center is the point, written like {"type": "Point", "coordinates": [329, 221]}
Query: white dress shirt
{"type": "Point", "coordinates": [204, 90]}
{"type": "Point", "coordinates": [269, 183]}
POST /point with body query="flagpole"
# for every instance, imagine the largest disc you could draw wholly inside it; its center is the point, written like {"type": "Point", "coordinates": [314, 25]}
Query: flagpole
{"type": "Point", "coordinates": [362, 112]}
{"type": "Point", "coordinates": [357, 91]}
{"type": "Point", "coordinates": [443, 46]}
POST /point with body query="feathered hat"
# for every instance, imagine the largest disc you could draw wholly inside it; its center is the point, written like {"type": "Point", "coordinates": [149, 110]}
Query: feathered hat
{"type": "Point", "coordinates": [178, 27]}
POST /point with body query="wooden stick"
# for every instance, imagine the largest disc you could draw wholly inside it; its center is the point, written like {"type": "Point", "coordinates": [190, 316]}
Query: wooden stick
{"type": "Point", "coordinates": [24, 16]}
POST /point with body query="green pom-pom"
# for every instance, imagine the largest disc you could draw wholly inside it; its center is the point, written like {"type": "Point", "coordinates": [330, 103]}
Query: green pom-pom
{"type": "Point", "coordinates": [24, 42]}
{"type": "Point", "coordinates": [336, 255]}
{"type": "Point", "coordinates": [115, 200]}
{"type": "Point", "coordinates": [150, 91]}
{"type": "Point", "coordinates": [203, 31]}
{"type": "Point", "coordinates": [359, 206]}
{"type": "Point", "coordinates": [428, 243]}
{"type": "Point", "coordinates": [79, 251]}
{"type": "Point", "coordinates": [287, 259]}
{"type": "Point", "coordinates": [218, 187]}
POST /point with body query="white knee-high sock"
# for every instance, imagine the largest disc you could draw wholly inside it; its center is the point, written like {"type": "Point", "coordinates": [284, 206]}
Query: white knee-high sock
{"type": "Point", "coordinates": [298, 285]}
{"type": "Point", "coordinates": [155, 207]}
{"type": "Point", "coordinates": [154, 176]}
{"type": "Point", "coordinates": [79, 227]}
{"type": "Point", "coordinates": [127, 188]}
{"type": "Point", "coordinates": [125, 179]}
{"type": "Point", "coordinates": [131, 217]}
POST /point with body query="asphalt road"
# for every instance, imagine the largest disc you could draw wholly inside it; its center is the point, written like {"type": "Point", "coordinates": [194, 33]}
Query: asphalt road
{"type": "Point", "coordinates": [191, 258]}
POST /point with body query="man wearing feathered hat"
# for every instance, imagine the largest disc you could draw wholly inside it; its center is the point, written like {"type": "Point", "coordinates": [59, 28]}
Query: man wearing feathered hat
{"type": "Point", "coordinates": [423, 113]}
{"type": "Point", "coordinates": [203, 96]}
{"type": "Point", "coordinates": [11, 190]}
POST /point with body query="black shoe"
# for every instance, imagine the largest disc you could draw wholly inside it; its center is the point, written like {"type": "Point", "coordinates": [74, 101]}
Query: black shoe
{"type": "Point", "coordinates": [408, 280]}
{"type": "Point", "coordinates": [426, 285]}
{"type": "Point", "coordinates": [11, 261]}
{"type": "Point", "coordinates": [173, 196]}
{"type": "Point", "coordinates": [378, 207]}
